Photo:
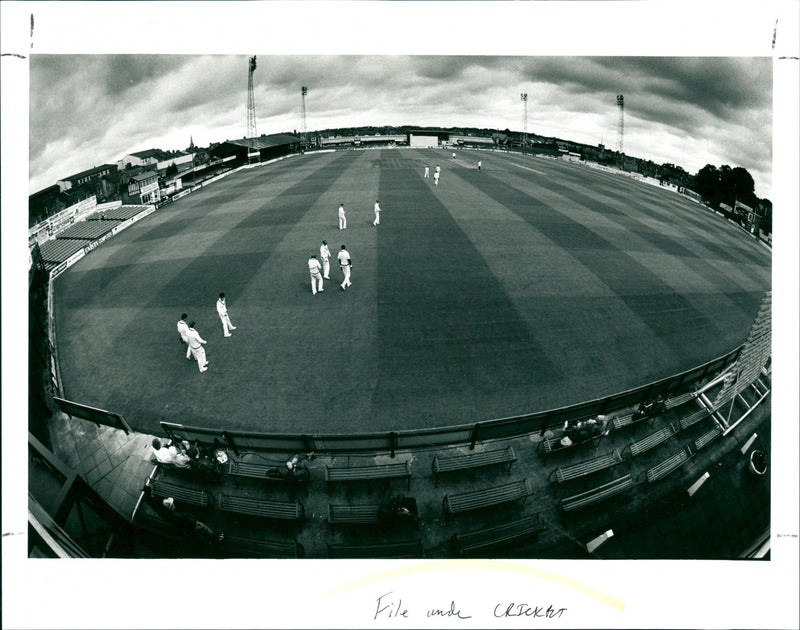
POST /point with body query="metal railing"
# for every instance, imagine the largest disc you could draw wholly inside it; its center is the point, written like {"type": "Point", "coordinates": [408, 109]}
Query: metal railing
{"type": "Point", "coordinates": [464, 434]}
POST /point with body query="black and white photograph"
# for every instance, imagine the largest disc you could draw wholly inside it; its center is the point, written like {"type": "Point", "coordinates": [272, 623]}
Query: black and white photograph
{"type": "Point", "coordinates": [363, 315]}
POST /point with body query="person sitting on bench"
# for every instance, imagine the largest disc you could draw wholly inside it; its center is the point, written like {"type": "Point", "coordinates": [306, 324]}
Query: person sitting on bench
{"type": "Point", "coordinates": [203, 464]}
{"type": "Point", "coordinates": [171, 455]}
{"type": "Point", "coordinates": [576, 431]}
{"type": "Point", "coordinates": [650, 408]}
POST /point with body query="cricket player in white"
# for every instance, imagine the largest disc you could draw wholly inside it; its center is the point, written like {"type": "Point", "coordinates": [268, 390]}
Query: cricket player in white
{"type": "Point", "coordinates": [427, 173]}
{"type": "Point", "coordinates": [222, 310]}
{"type": "Point", "coordinates": [183, 329]}
{"type": "Point", "coordinates": [377, 220]}
{"type": "Point", "coordinates": [325, 255]}
{"type": "Point", "coordinates": [436, 178]}
{"type": "Point", "coordinates": [195, 345]}
{"type": "Point", "coordinates": [314, 268]}
{"type": "Point", "coordinates": [342, 218]}
{"type": "Point", "coordinates": [345, 264]}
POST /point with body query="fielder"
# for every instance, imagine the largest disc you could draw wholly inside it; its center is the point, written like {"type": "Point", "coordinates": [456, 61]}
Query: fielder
{"type": "Point", "coordinates": [346, 265]}
{"type": "Point", "coordinates": [342, 218]}
{"type": "Point", "coordinates": [222, 311]}
{"type": "Point", "coordinates": [325, 255]}
{"type": "Point", "coordinates": [377, 220]}
{"type": "Point", "coordinates": [183, 329]}
{"type": "Point", "coordinates": [195, 345]}
{"type": "Point", "coordinates": [314, 269]}
{"type": "Point", "coordinates": [436, 177]}
{"type": "Point", "coordinates": [427, 173]}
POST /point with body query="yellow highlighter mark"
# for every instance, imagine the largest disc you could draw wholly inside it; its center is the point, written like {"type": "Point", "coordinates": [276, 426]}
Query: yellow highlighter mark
{"type": "Point", "coordinates": [481, 565]}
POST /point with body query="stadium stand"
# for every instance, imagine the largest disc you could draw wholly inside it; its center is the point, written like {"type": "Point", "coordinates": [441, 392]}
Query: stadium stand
{"type": "Point", "coordinates": [87, 230]}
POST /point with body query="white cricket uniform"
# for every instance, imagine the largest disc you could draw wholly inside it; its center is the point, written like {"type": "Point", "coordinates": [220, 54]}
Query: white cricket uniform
{"type": "Point", "coordinates": [316, 278]}
{"type": "Point", "coordinates": [183, 328]}
{"type": "Point", "coordinates": [377, 220]}
{"type": "Point", "coordinates": [436, 178]}
{"type": "Point", "coordinates": [427, 172]}
{"type": "Point", "coordinates": [198, 351]}
{"type": "Point", "coordinates": [222, 310]}
{"type": "Point", "coordinates": [325, 255]}
{"type": "Point", "coordinates": [342, 219]}
{"type": "Point", "coordinates": [344, 263]}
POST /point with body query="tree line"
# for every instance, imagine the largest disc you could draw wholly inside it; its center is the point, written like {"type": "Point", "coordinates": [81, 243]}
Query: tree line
{"type": "Point", "coordinates": [726, 185]}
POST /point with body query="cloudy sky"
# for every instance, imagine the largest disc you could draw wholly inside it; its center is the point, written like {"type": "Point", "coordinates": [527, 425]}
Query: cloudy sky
{"type": "Point", "coordinates": [86, 110]}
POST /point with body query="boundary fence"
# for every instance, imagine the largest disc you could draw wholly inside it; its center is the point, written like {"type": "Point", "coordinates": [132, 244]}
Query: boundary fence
{"type": "Point", "coordinates": [464, 434]}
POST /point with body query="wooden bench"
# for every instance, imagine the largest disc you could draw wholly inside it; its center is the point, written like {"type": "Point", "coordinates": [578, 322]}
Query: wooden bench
{"type": "Point", "coordinates": [708, 436]}
{"type": "Point", "coordinates": [498, 536]}
{"type": "Point", "coordinates": [476, 499]}
{"type": "Point", "coordinates": [372, 472]}
{"type": "Point", "coordinates": [680, 399]}
{"type": "Point", "coordinates": [405, 549]}
{"type": "Point", "coordinates": [280, 510]}
{"type": "Point", "coordinates": [651, 441]}
{"type": "Point", "coordinates": [596, 495]}
{"type": "Point", "coordinates": [550, 446]}
{"type": "Point", "coordinates": [241, 547]}
{"type": "Point", "coordinates": [693, 419]}
{"type": "Point", "coordinates": [472, 460]}
{"type": "Point", "coordinates": [352, 515]}
{"type": "Point", "coordinates": [669, 465]}
{"type": "Point", "coordinates": [181, 494]}
{"type": "Point", "coordinates": [620, 422]}
{"type": "Point", "coordinates": [588, 467]}
{"type": "Point", "coordinates": [256, 470]}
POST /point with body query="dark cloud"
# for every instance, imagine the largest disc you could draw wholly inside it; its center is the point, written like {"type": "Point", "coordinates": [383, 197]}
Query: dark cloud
{"type": "Point", "coordinates": [137, 72]}
{"type": "Point", "coordinates": [102, 106]}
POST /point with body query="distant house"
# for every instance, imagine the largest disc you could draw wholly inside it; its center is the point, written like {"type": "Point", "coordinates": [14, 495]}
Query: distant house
{"type": "Point", "coordinates": [85, 177]}
{"type": "Point", "coordinates": [156, 158]}
{"type": "Point", "coordinates": [143, 188]}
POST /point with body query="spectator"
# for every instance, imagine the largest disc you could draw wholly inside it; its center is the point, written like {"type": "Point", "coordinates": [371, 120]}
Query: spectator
{"type": "Point", "coordinates": [203, 464]}
{"type": "Point", "coordinates": [171, 456]}
{"type": "Point", "coordinates": [185, 521]}
{"type": "Point", "coordinates": [582, 430]}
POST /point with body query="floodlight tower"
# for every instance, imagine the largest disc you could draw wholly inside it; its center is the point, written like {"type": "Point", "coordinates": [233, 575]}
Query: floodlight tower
{"type": "Point", "coordinates": [251, 104]}
{"type": "Point", "coordinates": [303, 92]}
{"type": "Point", "coordinates": [524, 98]}
{"type": "Point", "coordinates": [621, 127]}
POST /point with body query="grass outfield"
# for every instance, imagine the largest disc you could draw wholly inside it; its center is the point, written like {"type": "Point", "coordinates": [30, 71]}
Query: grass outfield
{"type": "Point", "coordinates": [528, 285]}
